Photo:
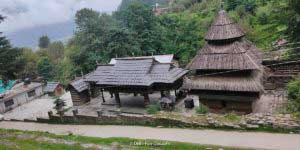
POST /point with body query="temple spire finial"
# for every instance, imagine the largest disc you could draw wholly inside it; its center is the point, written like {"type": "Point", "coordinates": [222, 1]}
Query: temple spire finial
{"type": "Point", "coordinates": [222, 5]}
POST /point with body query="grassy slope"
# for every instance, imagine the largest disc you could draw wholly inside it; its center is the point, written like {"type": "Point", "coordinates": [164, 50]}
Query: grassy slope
{"type": "Point", "coordinates": [10, 141]}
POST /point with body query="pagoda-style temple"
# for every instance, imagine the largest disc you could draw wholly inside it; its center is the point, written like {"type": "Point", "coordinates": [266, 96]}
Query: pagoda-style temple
{"type": "Point", "coordinates": [227, 70]}
{"type": "Point", "coordinates": [138, 75]}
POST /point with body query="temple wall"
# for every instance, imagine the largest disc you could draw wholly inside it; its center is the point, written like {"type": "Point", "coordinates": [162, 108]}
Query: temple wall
{"type": "Point", "coordinates": [227, 106]}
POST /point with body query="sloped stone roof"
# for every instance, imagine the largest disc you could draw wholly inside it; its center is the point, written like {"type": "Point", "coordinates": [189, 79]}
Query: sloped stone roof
{"type": "Point", "coordinates": [136, 72]}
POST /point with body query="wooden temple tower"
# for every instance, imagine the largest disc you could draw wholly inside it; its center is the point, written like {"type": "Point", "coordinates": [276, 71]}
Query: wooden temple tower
{"type": "Point", "coordinates": [227, 70]}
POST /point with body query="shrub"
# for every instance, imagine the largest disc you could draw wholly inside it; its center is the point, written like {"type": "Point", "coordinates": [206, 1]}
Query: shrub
{"type": "Point", "coordinates": [232, 117]}
{"type": "Point", "coordinates": [202, 109]}
{"type": "Point", "coordinates": [293, 89]}
{"type": "Point", "coordinates": [153, 109]}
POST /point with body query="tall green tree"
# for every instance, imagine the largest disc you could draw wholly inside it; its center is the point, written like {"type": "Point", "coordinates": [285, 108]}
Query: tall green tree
{"type": "Point", "coordinates": [293, 29]}
{"type": "Point", "coordinates": [44, 41]}
{"type": "Point", "coordinates": [45, 68]}
{"type": "Point", "coordinates": [55, 51]}
{"type": "Point", "coordinates": [121, 43]}
{"type": "Point", "coordinates": [9, 65]}
{"type": "Point", "coordinates": [29, 59]}
{"type": "Point", "coordinates": [90, 39]}
{"type": "Point", "coordinates": [294, 20]}
{"type": "Point", "coordinates": [140, 20]}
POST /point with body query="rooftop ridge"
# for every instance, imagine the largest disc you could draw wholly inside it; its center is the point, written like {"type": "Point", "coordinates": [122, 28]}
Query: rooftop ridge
{"type": "Point", "coordinates": [224, 28]}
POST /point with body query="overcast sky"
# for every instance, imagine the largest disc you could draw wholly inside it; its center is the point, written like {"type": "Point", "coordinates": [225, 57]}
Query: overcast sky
{"type": "Point", "coordinates": [22, 14]}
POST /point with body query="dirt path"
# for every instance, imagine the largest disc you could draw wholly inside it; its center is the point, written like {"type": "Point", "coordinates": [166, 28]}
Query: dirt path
{"type": "Point", "coordinates": [213, 137]}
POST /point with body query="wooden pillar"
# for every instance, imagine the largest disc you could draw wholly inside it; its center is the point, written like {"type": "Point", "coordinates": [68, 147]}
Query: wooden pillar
{"type": "Point", "coordinates": [146, 99]}
{"type": "Point", "coordinates": [102, 94]}
{"type": "Point", "coordinates": [117, 98]}
{"type": "Point", "coordinates": [162, 94]}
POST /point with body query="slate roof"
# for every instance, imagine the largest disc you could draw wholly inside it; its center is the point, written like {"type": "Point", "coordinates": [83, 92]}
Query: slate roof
{"type": "Point", "coordinates": [51, 86]}
{"type": "Point", "coordinates": [79, 85]}
{"type": "Point", "coordinates": [159, 58]}
{"type": "Point", "coordinates": [19, 89]}
{"type": "Point", "coordinates": [136, 71]}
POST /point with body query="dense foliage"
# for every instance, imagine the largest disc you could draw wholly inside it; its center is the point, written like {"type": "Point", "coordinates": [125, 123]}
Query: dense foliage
{"type": "Point", "coordinates": [134, 30]}
{"type": "Point", "coordinates": [9, 64]}
{"type": "Point", "coordinates": [44, 42]}
{"type": "Point", "coordinates": [294, 96]}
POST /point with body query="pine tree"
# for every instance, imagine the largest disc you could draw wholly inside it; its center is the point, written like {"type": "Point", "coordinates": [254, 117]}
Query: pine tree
{"type": "Point", "coordinates": [8, 58]}
{"type": "Point", "coordinates": [44, 42]}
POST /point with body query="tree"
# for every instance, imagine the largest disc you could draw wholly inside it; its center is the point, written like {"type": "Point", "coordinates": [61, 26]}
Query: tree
{"type": "Point", "coordinates": [121, 43]}
{"type": "Point", "coordinates": [294, 20]}
{"type": "Point", "coordinates": [90, 39]}
{"type": "Point", "coordinates": [248, 5]}
{"type": "Point", "coordinates": [181, 36]}
{"type": "Point", "coordinates": [293, 28]}
{"type": "Point", "coordinates": [44, 41]}
{"type": "Point", "coordinates": [45, 68]}
{"type": "Point", "coordinates": [140, 20]}
{"type": "Point", "coordinates": [29, 59]}
{"type": "Point", "coordinates": [9, 65]}
{"type": "Point", "coordinates": [59, 105]}
{"type": "Point", "coordinates": [55, 51]}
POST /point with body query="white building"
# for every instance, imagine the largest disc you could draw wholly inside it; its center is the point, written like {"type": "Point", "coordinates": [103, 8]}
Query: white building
{"type": "Point", "coordinates": [21, 93]}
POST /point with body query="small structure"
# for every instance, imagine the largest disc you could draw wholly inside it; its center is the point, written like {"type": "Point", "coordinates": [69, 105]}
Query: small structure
{"type": "Point", "coordinates": [279, 73]}
{"type": "Point", "coordinates": [54, 89]}
{"type": "Point", "coordinates": [227, 70]}
{"type": "Point", "coordinates": [159, 10]}
{"type": "Point", "coordinates": [19, 94]}
{"type": "Point", "coordinates": [7, 87]}
{"type": "Point", "coordinates": [167, 103]}
{"type": "Point", "coordinates": [79, 92]}
{"type": "Point", "coordinates": [141, 75]}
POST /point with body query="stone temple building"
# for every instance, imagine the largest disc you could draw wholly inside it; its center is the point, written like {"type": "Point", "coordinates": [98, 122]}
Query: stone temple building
{"type": "Point", "coordinates": [227, 70]}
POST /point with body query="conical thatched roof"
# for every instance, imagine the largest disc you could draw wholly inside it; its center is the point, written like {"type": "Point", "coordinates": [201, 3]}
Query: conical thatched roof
{"type": "Point", "coordinates": [237, 55]}
{"type": "Point", "coordinates": [224, 28]}
{"type": "Point", "coordinates": [226, 48]}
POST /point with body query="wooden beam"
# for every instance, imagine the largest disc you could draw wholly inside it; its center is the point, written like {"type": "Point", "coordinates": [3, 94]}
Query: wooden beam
{"type": "Point", "coordinates": [146, 99]}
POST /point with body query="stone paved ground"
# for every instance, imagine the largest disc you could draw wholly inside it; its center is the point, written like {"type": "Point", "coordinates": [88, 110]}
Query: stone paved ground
{"type": "Point", "coordinates": [36, 108]}
{"type": "Point", "coordinates": [130, 104]}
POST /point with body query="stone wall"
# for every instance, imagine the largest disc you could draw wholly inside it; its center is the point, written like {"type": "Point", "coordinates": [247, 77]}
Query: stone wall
{"type": "Point", "coordinates": [252, 121]}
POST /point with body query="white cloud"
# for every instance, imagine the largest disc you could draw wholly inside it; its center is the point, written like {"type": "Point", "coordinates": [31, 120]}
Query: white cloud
{"type": "Point", "coordinates": [29, 13]}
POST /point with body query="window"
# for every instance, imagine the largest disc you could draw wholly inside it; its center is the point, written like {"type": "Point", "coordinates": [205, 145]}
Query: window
{"type": "Point", "coordinates": [31, 93]}
{"type": "Point", "coordinates": [9, 103]}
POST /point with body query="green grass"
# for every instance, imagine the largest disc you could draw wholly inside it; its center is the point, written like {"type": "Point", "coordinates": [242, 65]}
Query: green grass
{"type": "Point", "coordinates": [13, 142]}
{"type": "Point", "coordinates": [232, 117]}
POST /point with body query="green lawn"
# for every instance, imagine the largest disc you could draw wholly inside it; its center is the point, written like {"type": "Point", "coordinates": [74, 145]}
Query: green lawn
{"type": "Point", "coordinates": [25, 140]}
